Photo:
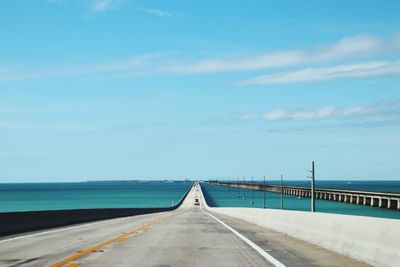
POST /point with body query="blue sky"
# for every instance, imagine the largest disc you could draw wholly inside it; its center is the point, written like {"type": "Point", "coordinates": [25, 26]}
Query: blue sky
{"type": "Point", "coordinates": [120, 89]}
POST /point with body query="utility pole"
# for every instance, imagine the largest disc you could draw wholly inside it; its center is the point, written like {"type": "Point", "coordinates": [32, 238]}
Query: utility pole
{"type": "Point", "coordinates": [244, 189]}
{"type": "Point", "coordinates": [312, 187]}
{"type": "Point", "coordinates": [238, 192]}
{"type": "Point", "coordinates": [264, 192]}
{"type": "Point", "coordinates": [231, 185]}
{"type": "Point", "coordinates": [252, 189]}
{"type": "Point", "coordinates": [281, 191]}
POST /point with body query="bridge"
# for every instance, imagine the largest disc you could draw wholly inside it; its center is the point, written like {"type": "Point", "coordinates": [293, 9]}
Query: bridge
{"type": "Point", "coordinates": [373, 199]}
{"type": "Point", "coordinates": [198, 235]}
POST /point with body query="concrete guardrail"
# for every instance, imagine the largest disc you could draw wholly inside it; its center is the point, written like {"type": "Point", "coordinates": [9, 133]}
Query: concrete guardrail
{"type": "Point", "coordinates": [373, 240]}
{"type": "Point", "coordinates": [20, 222]}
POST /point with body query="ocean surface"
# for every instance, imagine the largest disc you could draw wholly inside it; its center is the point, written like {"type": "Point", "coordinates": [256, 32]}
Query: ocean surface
{"type": "Point", "coordinates": [55, 196]}
{"type": "Point", "coordinates": [129, 194]}
{"type": "Point", "coordinates": [223, 196]}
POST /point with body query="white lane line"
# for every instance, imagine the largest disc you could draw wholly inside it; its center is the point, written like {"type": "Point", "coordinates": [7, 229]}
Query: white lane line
{"type": "Point", "coordinates": [65, 229]}
{"type": "Point", "coordinates": [262, 252]}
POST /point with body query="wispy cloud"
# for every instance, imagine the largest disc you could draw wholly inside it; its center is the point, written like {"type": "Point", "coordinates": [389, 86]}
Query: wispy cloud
{"type": "Point", "coordinates": [361, 124]}
{"type": "Point", "coordinates": [160, 64]}
{"type": "Point", "coordinates": [360, 70]}
{"type": "Point", "coordinates": [159, 12]}
{"type": "Point", "coordinates": [95, 6]}
{"type": "Point", "coordinates": [102, 5]}
{"type": "Point", "coordinates": [380, 110]}
{"type": "Point", "coordinates": [351, 47]}
{"type": "Point", "coordinates": [134, 64]}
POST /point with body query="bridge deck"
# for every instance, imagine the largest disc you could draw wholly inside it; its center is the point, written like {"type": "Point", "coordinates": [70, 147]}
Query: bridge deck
{"type": "Point", "coordinates": [185, 237]}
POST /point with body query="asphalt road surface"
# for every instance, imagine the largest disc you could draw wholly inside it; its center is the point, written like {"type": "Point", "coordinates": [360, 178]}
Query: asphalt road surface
{"type": "Point", "coordinates": [184, 237]}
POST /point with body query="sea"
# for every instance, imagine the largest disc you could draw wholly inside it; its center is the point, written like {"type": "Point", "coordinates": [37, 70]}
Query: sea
{"type": "Point", "coordinates": [145, 194]}
{"type": "Point", "coordinates": [84, 195]}
{"type": "Point", "coordinates": [223, 196]}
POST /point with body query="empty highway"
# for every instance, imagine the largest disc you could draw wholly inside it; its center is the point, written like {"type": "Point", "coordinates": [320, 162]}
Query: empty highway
{"type": "Point", "coordinates": [187, 236]}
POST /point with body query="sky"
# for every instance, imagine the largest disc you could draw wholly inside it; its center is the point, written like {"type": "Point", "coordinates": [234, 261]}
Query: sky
{"type": "Point", "coordinates": [129, 89]}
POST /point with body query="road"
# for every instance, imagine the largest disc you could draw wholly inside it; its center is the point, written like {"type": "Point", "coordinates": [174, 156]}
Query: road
{"type": "Point", "coordinates": [184, 237]}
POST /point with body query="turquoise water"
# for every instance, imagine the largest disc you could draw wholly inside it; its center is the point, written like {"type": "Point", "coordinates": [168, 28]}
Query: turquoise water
{"type": "Point", "coordinates": [55, 196]}
{"type": "Point", "coordinates": [223, 196]}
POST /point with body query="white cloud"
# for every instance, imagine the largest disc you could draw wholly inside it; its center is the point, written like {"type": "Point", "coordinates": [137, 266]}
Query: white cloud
{"type": "Point", "coordinates": [321, 113]}
{"type": "Point", "coordinates": [245, 63]}
{"type": "Point", "coordinates": [356, 46]}
{"type": "Point", "coordinates": [93, 5]}
{"type": "Point", "coordinates": [159, 13]}
{"type": "Point", "coordinates": [102, 5]}
{"type": "Point", "coordinates": [326, 112]}
{"type": "Point", "coordinates": [360, 70]}
{"type": "Point", "coordinates": [129, 65]}
{"type": "Point", "coordinates": [156, 64]}
{"type": "Point", "coordinates": [274, 115]}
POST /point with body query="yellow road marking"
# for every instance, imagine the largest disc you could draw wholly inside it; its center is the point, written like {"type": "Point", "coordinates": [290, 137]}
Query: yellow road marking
{"type": "Point", "coordinates": [122, 240]}
{"type": "Point", "coordinates": [119, 238]}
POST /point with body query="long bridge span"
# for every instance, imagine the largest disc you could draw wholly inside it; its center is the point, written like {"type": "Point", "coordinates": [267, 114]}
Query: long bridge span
{"type": "Point", "coordinates": [366, 198]}
{"type": "Point", "coordinates": [195, 234]}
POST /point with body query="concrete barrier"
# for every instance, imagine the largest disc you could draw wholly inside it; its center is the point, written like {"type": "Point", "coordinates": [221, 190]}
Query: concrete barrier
{"type": "Point", "coordinates": [19, 222]}
{"type": "Point", "coordinates": [373, 240]}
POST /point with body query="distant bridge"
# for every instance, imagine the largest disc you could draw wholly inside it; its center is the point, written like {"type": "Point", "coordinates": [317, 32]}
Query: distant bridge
{"type": "Point", "coordinates": [366, 198]}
